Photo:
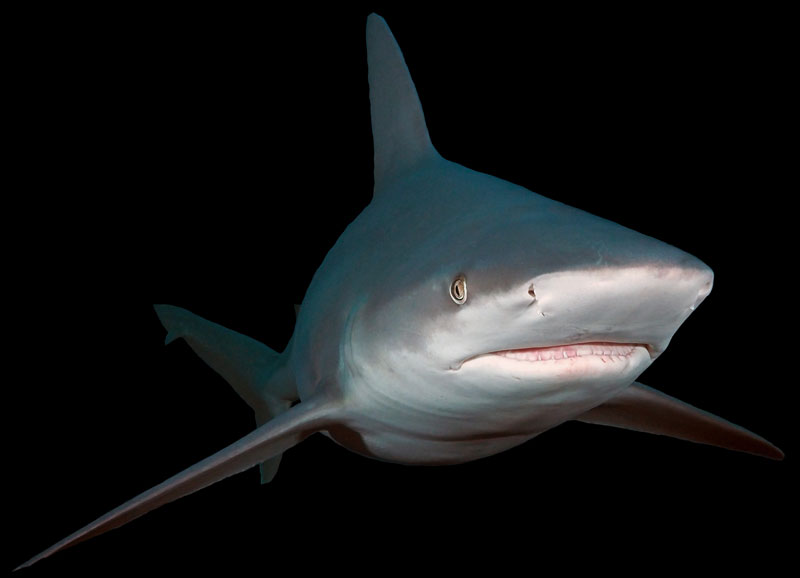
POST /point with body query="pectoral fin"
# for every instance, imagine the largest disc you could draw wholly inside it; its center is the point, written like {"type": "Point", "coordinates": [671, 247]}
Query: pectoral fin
{"type": "Point", "coordinates": [642, 408]}
{"type": "Point", "coordinates": [266, 442]}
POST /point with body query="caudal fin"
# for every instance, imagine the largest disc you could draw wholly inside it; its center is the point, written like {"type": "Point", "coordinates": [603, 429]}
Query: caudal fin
{"type": "Point", "coordinates": [265, 442]}
{"type": "Point", "coordinates": [257, 373]}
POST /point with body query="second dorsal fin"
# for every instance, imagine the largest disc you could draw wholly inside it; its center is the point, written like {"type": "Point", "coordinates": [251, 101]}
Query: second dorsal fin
{"type": "Point", "coordinates": [399, 132]}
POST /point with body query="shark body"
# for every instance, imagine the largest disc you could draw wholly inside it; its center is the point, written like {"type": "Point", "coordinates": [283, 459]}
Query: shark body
{"type": "Point", "coordinates": [458, 316]}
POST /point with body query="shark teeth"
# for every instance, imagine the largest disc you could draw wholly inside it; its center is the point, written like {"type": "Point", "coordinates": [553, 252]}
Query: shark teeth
{"type": "Point", "coordinates": [560, 352]}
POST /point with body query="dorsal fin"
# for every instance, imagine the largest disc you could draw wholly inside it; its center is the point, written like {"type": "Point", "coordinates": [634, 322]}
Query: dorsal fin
{"type": "Point", "coordinates": [399, 133]}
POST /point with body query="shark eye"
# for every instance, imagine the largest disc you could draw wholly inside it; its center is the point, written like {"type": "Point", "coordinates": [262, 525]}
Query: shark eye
{"type": "Point", "coordinates": [458, 290]}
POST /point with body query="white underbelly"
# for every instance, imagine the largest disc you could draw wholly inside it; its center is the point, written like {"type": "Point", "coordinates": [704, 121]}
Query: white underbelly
{"type": "Point", "coordinates": [411, 450]}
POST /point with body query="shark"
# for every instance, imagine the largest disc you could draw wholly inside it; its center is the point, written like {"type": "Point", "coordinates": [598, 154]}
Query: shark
{"type": "Point", "coordinates": [459, 315]}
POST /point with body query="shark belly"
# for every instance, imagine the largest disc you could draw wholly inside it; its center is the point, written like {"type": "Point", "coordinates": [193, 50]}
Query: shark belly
{"type": "Point", "coordinates": [409, 449]}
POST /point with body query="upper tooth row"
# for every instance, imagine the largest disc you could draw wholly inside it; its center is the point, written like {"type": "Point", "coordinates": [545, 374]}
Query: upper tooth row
{"type": "Point", "coordinates": [568, 352]}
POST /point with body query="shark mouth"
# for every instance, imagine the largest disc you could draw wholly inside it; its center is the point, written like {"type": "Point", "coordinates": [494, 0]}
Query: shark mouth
{"type": "Point", "coordinates": [567, 355]}
{"type": "Point", "coordinates": [606, 352]}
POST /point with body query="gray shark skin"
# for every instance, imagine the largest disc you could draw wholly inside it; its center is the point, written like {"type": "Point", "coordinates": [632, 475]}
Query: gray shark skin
{"type": "Point", "coordinates": [457, 317]}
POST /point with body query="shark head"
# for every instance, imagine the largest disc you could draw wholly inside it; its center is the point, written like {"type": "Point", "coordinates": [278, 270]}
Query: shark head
{"type": "Point", "coordinates": [503, 298]}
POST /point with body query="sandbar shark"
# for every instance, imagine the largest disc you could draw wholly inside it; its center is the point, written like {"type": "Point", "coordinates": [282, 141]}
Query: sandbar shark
{"type": "Point", "coordinates": [459, 315]}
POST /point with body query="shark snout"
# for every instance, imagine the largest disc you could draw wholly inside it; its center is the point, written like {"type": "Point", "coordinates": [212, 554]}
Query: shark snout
{"type": "Point", "coordinates": [642, 304]}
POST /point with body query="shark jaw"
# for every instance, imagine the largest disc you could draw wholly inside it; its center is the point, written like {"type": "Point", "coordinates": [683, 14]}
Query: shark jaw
{"type": "Point", "coordinates": [607, 352]}
{"type": "Point", "coordinates": [589, 358]}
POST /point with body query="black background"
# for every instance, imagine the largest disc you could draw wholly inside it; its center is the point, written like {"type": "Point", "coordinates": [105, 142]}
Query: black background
{"type": "Point", "coordinates": [210, 158]}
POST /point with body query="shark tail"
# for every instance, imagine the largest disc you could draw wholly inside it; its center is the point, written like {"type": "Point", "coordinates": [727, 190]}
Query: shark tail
{"type": "Point", "coordinates": [258, 374]}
